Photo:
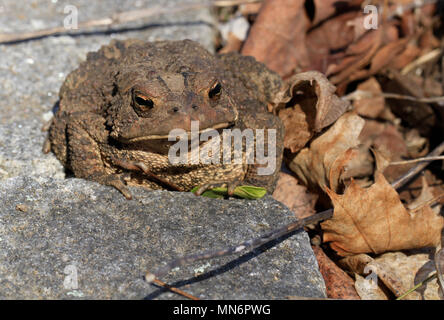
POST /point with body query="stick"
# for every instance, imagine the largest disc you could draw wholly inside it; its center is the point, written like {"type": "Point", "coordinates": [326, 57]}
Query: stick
{"type": "Point", "coordinates": [175, 290]}
{"type": "Point", "coordinates": [248, 244]}
{"type": "Point", "coordinates": [415, 170]}
{"type": "Point", "coordinates": [118, 18]}
{"type": "Point", "coordinates": [278, 232]}
{"type": "Point", "coordinates": [362, 94]}
{"type": "Point", "coordinates": [396, 163]}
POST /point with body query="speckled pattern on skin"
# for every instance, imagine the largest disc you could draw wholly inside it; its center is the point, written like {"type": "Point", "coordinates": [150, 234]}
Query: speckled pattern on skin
{"type": "Point", "coordinates": [117, 109]}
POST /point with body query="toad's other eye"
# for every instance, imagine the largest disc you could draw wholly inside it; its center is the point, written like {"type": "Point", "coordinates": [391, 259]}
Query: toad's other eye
{"type": "Point", "coordinates": [142, 102]}
{"type": "Point", "coordinates": [215, 91]}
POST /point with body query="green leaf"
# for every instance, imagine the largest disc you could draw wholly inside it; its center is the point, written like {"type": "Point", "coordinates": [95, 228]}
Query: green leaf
{"type": "Point", "coordinates": [250, 192]}
{"type": "Point", "coordinates": [244, 192]}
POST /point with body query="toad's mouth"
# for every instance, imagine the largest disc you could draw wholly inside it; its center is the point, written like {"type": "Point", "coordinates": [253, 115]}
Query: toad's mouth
{"type": "Point", "coordinates": [218, 127]}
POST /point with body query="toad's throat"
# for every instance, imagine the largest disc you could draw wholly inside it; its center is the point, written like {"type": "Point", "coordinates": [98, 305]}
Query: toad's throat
{"type": "Point", "coordinates": [219, 126]}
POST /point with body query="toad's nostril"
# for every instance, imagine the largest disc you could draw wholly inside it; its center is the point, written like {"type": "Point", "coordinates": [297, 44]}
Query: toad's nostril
{"type": "Point", "coordinates": [175, 109]}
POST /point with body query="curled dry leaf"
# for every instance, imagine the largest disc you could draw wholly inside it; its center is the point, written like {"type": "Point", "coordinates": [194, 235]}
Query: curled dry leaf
{"type": "Point", "coordinates": [307, 105]}
{"type": "Point", "coordinates": [375, 220]}
{"type": "Point", "coordinates": [356, 263]}
{"type": "Point", "coordinates": [321, 164]}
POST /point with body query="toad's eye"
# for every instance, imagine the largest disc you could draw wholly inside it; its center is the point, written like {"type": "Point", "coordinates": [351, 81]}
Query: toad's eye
{"type": "Point", "coordinates": [215, 91]}
{"type": "Point", "coordinates": [142, 103]}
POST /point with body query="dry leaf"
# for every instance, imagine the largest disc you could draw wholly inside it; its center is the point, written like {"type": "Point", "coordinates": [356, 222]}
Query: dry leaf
{"type": "Point", "coordinates": [416, 145]}
{"type": "Point", "coordinates": [410, 53]}
{"type": "Point", "coordinates": [401, 272]}
{"type": "Point", "coordinates": [439, 264]}
{"type": "Point", "coordinates": [387, 140]}
{"type": "Point", "coordinates": [415, 114]}
{"type": "Point", "coordinates": [277, 37]}
{"type": "Point", "coordinates": [385, 54]}
{"type": "Point", "coordinates": [375, 220]}
{"type": "Point", "coordinates": [338, 284]}
{"type": "Point", "coordinates": [360, 167]}
{"type": "Point", "coordinates": [307, 105]}
{"type": "Point", "coordinates": [330, 36]}
{"type": "Point", "coordinates": [321, 165]}
{"type": "Point", "coordinates": [294, 196]}
{"type": "Point", "coordinates": [370, 107]}
{"type": "Point", "coordinates": [356, 263]}
{"type": "Point", "coordinates": [368, 290]}
{"type": "Point", "coordinates": [415, 191]}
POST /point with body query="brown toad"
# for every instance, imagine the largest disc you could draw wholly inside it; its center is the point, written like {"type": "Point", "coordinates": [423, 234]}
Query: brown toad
{"type": "Point", "coordinates": [117, 109]}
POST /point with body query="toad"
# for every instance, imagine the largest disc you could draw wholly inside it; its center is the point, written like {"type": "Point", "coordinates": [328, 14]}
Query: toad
{"type": "Point", "coordinates": [118, 108]}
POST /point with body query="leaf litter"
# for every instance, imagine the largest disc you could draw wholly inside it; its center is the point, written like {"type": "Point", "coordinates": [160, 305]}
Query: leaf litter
{"type": "Point", "coordinates": [357, 103]}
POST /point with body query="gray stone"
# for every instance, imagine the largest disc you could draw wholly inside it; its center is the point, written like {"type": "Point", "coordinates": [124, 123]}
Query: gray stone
{"type": "Point", "coordinates": [51, 225]}
{"type": "Point", "coordinates": [32, 71]}
{"type": "Point", "coordinates": [21, 151]}
{"type": "Point", "coordinates": [48, 225]}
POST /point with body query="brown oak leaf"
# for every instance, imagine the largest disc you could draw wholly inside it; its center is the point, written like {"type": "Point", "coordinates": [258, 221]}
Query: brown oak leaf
{"type": "Point", "coordinates": [375, 220]}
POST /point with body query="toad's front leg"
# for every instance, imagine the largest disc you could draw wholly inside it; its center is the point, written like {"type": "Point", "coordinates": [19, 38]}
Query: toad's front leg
{"type": "Point", "coordinates": [85, 132]}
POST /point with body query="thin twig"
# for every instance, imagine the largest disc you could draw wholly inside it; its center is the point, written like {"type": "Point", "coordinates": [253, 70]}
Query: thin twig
{"type": "Point", "coordinates": [396, 163]}
{"type": "Point", "coordinates": [419, 167]}
{"type": "Point", "coordinates": [248, 244]}
{"type": "Point", "coordinates": [175, 290]}
{"type": "Point", "coordinates": [362, 94]}
{"type": "Point", "coordinates": [119, 18]}
{"type": "Point", "coordinates": [275, 233]}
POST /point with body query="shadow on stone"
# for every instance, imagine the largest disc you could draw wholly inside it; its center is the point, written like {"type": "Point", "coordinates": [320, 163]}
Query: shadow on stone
{"type": "Point", "coordinates": [222, 269]}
